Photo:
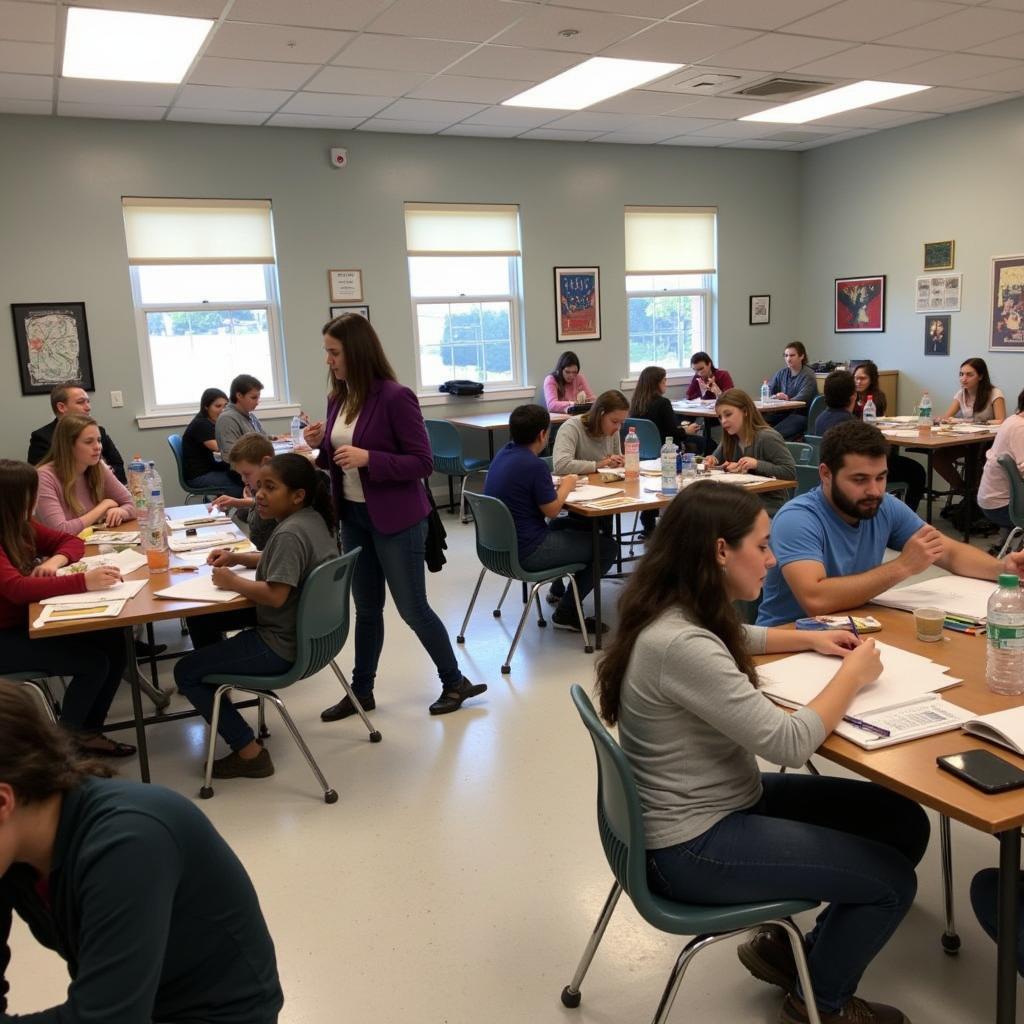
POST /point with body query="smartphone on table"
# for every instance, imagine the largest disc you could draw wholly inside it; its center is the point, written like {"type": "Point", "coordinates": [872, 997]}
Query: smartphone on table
{"type": "Point", "coordinates": [983, 770]}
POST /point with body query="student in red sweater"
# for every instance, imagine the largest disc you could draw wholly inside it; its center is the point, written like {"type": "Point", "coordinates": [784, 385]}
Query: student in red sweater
{"type": "Point", "coordinates": [30, 555]}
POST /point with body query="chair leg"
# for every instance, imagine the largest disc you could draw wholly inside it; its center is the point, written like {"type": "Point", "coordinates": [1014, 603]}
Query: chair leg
{"type": "Point", "coordinates": [541, 621]}
{"type": "Point", "coordinates": [211, 745]}
{"type": "Point", "coordinates": [261, 719]}
{"type": "Point", "coordinates": [330, 795]}
{"type": "Point", "coordinates": [497, 611]}
{"type": "Point", "coordinates": [796, 941]}
{"type": "Point", "coordinates": [668, 997]}
{"type": "Point", "coordinates": [451, 495]}
{"type": "Point", "coordinates": [356, 703]}
{"type": "Point", "coordinates": [41, 691]}
{"type": "Point", "coordinates": [632, 533]}
{"type": "Point", "coordinates": [1011, 538]}
{"type": "Point", "coordinates": [571, 993]}
{"type": "Point", "coordinates": [950, 939]}
{"type": "Point", "coordinates": [507, 666]}
{"type": "Point", "coordinates": [588, 647]}
{"type": "Point", "coordinates": [461, 638]}
{"type": "Point", "coordinates": [151, 640]}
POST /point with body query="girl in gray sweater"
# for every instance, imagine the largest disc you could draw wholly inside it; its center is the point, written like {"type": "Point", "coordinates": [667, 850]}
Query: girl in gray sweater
{"type": "Point", "coordinates": [587, 443]}
{"type": "Point", "coordinates": [679, 680]}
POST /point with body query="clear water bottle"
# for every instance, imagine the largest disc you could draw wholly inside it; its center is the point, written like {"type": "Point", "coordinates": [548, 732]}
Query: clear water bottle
{"type": "Point", "coordinates": [1004, 669]}
{"type": "Point", "coordinates": [669, 480]}
{"type": "Point", "coordinates": [870, 413]}
{"type": "Point", "coordinates": [924, 411]}
{"type": "Point", "coordinates": [136, 471]}
{"type": "Point", "coordinates": [152, 522]}
{"type": "Point", "coordinates": [298, 441]}
{"type": "Point", "coordinates": [687, 470]}
{"type": "Point", "coordinates": [631, 449]}
{"type": "Point", "coordinates": [765, 392]}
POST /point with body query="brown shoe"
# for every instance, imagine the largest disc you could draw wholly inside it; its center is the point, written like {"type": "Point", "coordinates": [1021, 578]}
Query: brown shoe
{"type": "Point", "coordinates": [234, 766]}
{"type": "Point", "coordinates": [856, 1011]}
{"type": "Point", "coordinates": [768, 956]}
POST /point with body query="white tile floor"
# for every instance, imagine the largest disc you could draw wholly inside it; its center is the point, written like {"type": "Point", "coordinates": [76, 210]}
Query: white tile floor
{"type": "Point", "coordinates": [459, 875]}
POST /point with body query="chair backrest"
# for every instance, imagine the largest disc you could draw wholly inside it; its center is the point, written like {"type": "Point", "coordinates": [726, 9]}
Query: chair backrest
{"type": "Point", "coordinates": [807, 478]}
{"type": "Point", "coordinates": [1016, 509]}
{"type": "Point", "coordinates": [801, 453]}
{"type": "Point", "coordinates": [650, 440]}
{"type": "Point", "coordinates": [814, 440]}
{"type": "Point", "coordinates": [496, 543]}
{"type": "Point", "coordinates": [816, 409]}
{"type": "Point", "coordinates": [445, 440]}
{"type": "Point", "coordinates": [174, 440]}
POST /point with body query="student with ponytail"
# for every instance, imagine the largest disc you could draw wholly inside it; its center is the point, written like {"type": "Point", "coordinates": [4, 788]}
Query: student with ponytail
{"type": "Point", "coordinates": [128, 883]}
{"type": "Point", "coordinates": [293, 493]}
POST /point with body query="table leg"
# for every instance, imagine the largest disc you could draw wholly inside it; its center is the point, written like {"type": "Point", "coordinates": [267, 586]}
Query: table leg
{"type": "Point", "coordinates": [928, 483]}
{"type": "Point", "coordinates": [136, 687]}
{"type": "Point", "coordinates": [1006, 943]}
{"type": "Point", "coordinates": [490, 444]}
{"type": "Point", "coordinates": [707, 436]}
{"type": "Point", "coordinates": [595, 524]}
{"type": "Point", "coordinates": [969, 470]}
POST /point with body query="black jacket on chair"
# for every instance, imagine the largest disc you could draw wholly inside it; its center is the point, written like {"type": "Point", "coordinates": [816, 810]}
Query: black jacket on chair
{"type": "Point", "coordinates": [41, 439]}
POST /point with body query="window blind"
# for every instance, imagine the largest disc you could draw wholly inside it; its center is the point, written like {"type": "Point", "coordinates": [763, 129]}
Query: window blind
{"type": "Point", "coordinates": [448, 230]}
{"type": "Point", "coordinates": [670, 240]}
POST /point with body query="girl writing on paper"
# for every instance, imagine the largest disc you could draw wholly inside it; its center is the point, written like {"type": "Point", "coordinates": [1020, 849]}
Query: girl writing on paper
{"type": "Point", "coordinates": [30, 555]}
{"type": "Point", "coordinates": [565, 386]}
{"type": "Point", "coordinates": [679, 680]}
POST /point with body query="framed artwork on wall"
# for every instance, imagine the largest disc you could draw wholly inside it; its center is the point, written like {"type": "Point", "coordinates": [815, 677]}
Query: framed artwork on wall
{"type": "Point", "coordinates": [859, 304]}
{"type": "Point", "coordinates": [936, 335]}
{"type": "Point", "coordinates": [52, 343]}
{"type": "Point", "coordinates": [363, 311]}
{"type": "Point", "coordinates": [345, 285]}
{"type": "Point", "coordinates": [1007, 304]}
{"type": "Point", "coordinates": [939, 255]}
{"type": "Point", "coordinates": [760, 309]}
{"type": "Point", "coordinates": [938, 294]}
{"type": "Point", "coordinates": [577, 303]}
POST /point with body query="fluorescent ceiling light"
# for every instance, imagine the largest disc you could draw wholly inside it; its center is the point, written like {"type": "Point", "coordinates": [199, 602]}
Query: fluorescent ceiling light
{"type": "Point", "coordinates": [849, 97]}
{"type": "Point", "coordinates": [590, 82]}
{"type": "Point", "coordinates": [122, 46]}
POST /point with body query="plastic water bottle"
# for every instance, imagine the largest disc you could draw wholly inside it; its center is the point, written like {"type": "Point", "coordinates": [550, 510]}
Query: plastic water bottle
{"type": "Point", "coordinates": [870, 413]}
{"type": "Point", "coordinates": [152, 523]}
{"type": "Point", "coordinates": [1004, 669]}
{"type": "Point", "coordinates": [298, 441]}
{"type": "Point", "coordinates": [136, 486]}
{"type": "Point", "coordinates": [687, 470]}
{"type": "Point", "coordinates": [631, 448]}
{"type": "Point", "coordinates": [765, 392]}
{"type": "Point", "coordinates": [669, 481]}
{"type": "Point", "coordinates": [924, 411]}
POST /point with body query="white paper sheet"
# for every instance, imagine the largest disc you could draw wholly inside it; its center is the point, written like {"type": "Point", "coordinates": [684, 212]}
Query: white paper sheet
{"type": "Point", "coordinates": [123, 590]}
{"type": "Point", "coordinates": [201, 588]}
{"type": "Point", "coordinates": [204, 540]}
{"type": "Point", "coordinates": [115, 537]}
{"type": "Point", "coordinates": [591, 492]}
{"type": "Point", "coordinates": [199, 520]}
{"type": "Point", "coordinates": [956, 595]}
{"type": "Point", "coordinates": [127, 561]}
{"type": "Point", "coordinates": [97, 609]}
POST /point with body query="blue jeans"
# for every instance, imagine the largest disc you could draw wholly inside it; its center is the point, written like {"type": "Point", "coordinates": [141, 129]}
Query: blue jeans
{"type": "Point", "coordinates": [218, 481]}
{"type": "Point", "coordinates": [999, 516]}
{"type": "Point", "coordinates": [985, 899]}
{"type": "Point", "coordinates": [395, 559]}
{"type": "Point", "coordinates": [244, 653]}
{"type": "Point", "coordinates": [852, 844]}
{"type": "Point", "coordinates": [789, 425]}
{"type": "Point", "coordinates": [563, 547]}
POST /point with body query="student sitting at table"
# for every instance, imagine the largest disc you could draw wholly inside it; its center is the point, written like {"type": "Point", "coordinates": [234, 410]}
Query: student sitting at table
{"type": "Point", "coordinates": [994, 489]}
{"type": "Point", "coordinates": [294, 494]}
{"type": "Point", "coordinates": [248, 456]}
{"type": "Point", "coordinates": [587, 443]}
{"type": "Point", "coordinates": [679, 680]}
{"type": "Point", "coordinates": [130, 884]}
{"type": "Point", "coordinates": [830, 542]}
{"type": "Point", "coordinates": [565, 386]}
{"type": "Point", "coordinates": [199, 446]}
{"type": "Point", "coordinates": [76, 487]}
{"type": "Point", "coordinates": [795, 382]}
{"type": "Point", "coordinates": [708, 382]}
{"type": "Point", "coordinates": [865, 377]}
{"type": "Point", "coordinates": [749, 445]}
{"type": "Point", "coordinates": [30, 555]}
{"type": "Point", "coordinates": [519, 478]}
{"type": "Point", "coordinates": [840, 393]}
{"type": "Point", "coordinates": [239, 418]}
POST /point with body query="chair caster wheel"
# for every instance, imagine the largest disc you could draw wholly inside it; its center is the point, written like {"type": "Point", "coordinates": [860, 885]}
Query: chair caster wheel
{"type": "Point", "coordinates": [375, 737]}
{"type": "Point", "coordinates": [496, 613]}
{"type": "Point", "coordinates": [542, 623]}
{"type": "Point", "coordinates": [330, 797]}
{"type": "Point", "coordinates": [951, 944]}
{"type": "Point", "coordinates": [206, 792]}
{"type": "Point", "coordinates": [589, 649]}
{"type": "Point", "coordinates": [505, 669]}
{"type": "Point", "coordinates": [570, 998]}
{"type": "Point", "coordinates": [460, 639]}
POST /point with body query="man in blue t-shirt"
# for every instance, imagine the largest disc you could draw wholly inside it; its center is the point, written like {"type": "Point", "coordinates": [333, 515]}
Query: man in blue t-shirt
{"type": "Point", "coordinates": [829, 543]}
{"type": "Point", "coordinates": [520, 479]}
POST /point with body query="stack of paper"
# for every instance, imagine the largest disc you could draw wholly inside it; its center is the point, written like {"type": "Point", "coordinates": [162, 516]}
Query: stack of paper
{"type": "Point", "coordinates": [202, 588]}
{"type": "Point", "coordinates": [204, 540]}
{"type": "Point", "coordinates": [591, 492]}
{"type": "Point", "coordinates": [116, 537]}
{"type": "Point", "coordinates": [213, 518]}
{"type": "Point", "coordinates": [959, 596]}
{"type": "Point", "coordinates": [98, 608]}
{"type": "Point", "coordinates": [127, 561]}
{"type": "Point", "coordinates": [121, 592]}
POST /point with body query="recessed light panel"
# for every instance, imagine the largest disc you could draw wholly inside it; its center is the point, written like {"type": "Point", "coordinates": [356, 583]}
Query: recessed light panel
{"type": "Point", "coordinates": [835, 101]}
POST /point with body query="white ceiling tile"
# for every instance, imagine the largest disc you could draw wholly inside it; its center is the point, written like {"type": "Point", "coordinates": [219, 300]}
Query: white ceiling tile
{"type": "Point", "coordinates": [1009, 46]}
{"type": "Point", "coordinates": [738, 130]}
{"type": "Point", "coordinates": [515, 62]}
{"type": "Point", "coordinates": [757, 144]}
{"type": "Point", "coordinates": [397, 127]}
{"type": "Point", "coordinates": [872, 117]}
{"type": "Point", "coordinates": [113, 111]}
{"type": "Point", "coordinates": [200, 116]}
{"type": "Point", "coordinates": [673, 41]}
{"type": "Point", "coordinates": [472, 90]}
{"type": "Point", "coordinates": [1011, 80]}
{"type": "Point", "coordinates": [351, 14]}
{"type": "Point", "coordinates": [112, 94]}
{"type": "Point", "coordinates": [584, 120]}
{"type": "Point", "coordinates": [219, 97]}
{"type": "Point", "coordinates": [26, 87]}
{"type": "Point", "coordinates": [313, 121]}
{"type": "Point", "coordinates": [867, 20]}
{"type": "Point", "coordinates": [365, 81]}
{"type": "Point", "coordinates": [26, 58]}
{"type": "Point", "coordinates": [596, 31]}
{"type": "Point", "coordinates": [970, 27]}
{"type": "Point", "coordinates": [12, 106]}
{"type": "Point", "coordinates": [178, 8]}
{"type": "Point", "coordinates": [255, 74]}
{"type": "Point", "coordinates": [641, 101]}
{"type": "Point", "coordinates": [864, 61]}
{"type": "Point", "coordinates": [721, 107]}
{"type": "Point", "coordinates": [955, 67]}
{"type": "Point", "coordinates": [335, 105]}
{"type": "Point", "coordinates": [777, 52]}
{"type": "Point", "coordinates": [753, 13]}
{"type": "Point", "coordinates": [655, 129]}
{"type": "Point", "coordinates": [705, 141]}
{"type": "Point", "coordinates": [430, 110]}
{"type": "Point", "coordinates": [552, 135]}
{"type": "Point", "coordinates": [391, 53]}
{"type": "Point", "coordinates": [484, 131]}
{"type": "Point", "coordinates": [31, 23]}
{"type": "Point", "coordinates": [276, 42]}
{"type": "Point", "coordinates": [941, 100]}
{"type": "Point", "coordinates": [514, 117]}
{"type": "Point", "coordinates": [469, 20]}
{"type": "Point", "coordinates": [1009, 5]}
{"type": "Point", "coordinates": [639, 8]}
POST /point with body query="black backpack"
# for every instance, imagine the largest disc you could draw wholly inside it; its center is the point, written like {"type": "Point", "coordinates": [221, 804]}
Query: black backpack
{"type": "Point", "coordinates": [462, 387]}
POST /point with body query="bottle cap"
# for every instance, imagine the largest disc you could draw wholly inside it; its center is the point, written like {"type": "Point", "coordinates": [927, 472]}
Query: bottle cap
{"type": "Point", "coordinates": [1009, 580]}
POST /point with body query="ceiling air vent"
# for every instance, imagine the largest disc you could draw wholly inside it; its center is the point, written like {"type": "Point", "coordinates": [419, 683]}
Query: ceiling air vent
{"type": "Point", "coordinates": [780, 88]}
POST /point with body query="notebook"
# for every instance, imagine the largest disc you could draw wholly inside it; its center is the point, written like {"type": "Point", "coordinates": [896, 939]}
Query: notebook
{"type": "Point", "coordinates": [1003, 727]}
{"type": "Point", "coordinates": [960, 596]}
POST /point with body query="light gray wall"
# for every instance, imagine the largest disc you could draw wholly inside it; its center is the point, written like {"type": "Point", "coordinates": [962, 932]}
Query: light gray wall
{"type": "Point", "coordinates": [869, 205]}
{"type": "Point", "coordinates": [61, 182]}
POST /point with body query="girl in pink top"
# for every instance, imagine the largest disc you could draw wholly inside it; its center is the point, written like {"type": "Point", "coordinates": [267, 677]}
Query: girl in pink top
{"type": "Point", "coordinates": [76, 488]}
{"type": "Point", "coordinates": [564, 385]}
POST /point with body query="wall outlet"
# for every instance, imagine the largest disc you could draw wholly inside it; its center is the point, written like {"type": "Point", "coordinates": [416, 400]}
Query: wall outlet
{"type": "Point", "coordinates": [116, 399]}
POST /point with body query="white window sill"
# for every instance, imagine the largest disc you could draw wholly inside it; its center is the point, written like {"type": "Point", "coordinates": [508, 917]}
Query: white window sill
{"type": "Point", "coordinates": [157, 421]}
{"type": "Point", "coordinates": [504, 395]}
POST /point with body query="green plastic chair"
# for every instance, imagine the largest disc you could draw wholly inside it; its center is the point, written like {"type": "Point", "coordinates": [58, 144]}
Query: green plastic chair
{"type": "Point", "coordinates": [446, 446]}
{"type": "Point", "coordinates": [803, 454]}
{"type": "Point", "coordinates": [647, 431]}
{"type": "Point", "coordinates": [498, 551]}
{"type": "Point", "coordinates": [817, 407]}
{"type": "Point", "coordinates": [322, 622]}
{"type": "Point", "coordinates": [807, 478]}
{"type": "Point", "coordinates": [37, 682]}
{"type": "Point", "coordinates": [814, 440]}
{"type": "Point", "coordinates": [620, 825]}
{"type": "Point", "coordinates": [1016, 506]}
{"type": "Point", "coordinates": [174, 440]}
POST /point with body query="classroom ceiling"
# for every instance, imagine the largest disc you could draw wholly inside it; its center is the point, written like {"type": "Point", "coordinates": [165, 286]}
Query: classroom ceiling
{"type": "Point", "coordinates": [442, 67]}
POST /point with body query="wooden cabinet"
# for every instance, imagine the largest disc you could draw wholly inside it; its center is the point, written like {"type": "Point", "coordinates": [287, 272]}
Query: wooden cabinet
{"type": "Point", "coordinates": [888, 384]}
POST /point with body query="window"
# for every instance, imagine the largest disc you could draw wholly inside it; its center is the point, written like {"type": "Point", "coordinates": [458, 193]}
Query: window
{"type": "Point", "coordinates": [464, 281]}
{"type": "Point", "coordinates": [204, 284]}
{"type": "Point", "coordinates": [670, 285]}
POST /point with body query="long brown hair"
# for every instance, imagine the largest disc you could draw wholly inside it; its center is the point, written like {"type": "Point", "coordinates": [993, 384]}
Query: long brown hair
{"type": "Point", "coordinates": [38, 759]}
{"type": "Point", "coordinates": [983, 395]}
{"type": "Point", "coordinates": [607, 401]}
{"type": "Point", "coordinates": [648, 388]}
{"type": "Point", "coordinates": [753, 421]}
{"type": "Point", "coordinates": [19, 486]}
{"type": "Point", "coordinates": [365, 361]}
{"type": "Point", "coordinates": [564, 360]}
{"type": "Point", "coordinates": [62, 457]}
{"type": "Point", "coordinates": [686, 536]}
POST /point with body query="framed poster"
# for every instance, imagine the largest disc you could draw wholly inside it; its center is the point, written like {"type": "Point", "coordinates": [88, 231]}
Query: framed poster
{"type": "Point", "coordinates": [363, 311]}
{"type": "Point", "coordinates": [577, 303]}
{"type": "Point", "coordinates": [936, 335]}
{"type": "Point", "coordinates": [760, 309]}
{"type": "Point", "coordinates": [1007, 304]}
{"type": "Point", "coordinates": [938, 294]}
{"type": "Point", "coordinates": [859, 304]}
{"type": "Point", "coordinates": [345, 285]}
{"type": "Point", "coordinates": [52, 342]}
{"type": "Point", "coordinates": [938, 255]}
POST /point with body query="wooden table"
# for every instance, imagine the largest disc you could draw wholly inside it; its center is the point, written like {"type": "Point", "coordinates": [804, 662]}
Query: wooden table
{"type": "Point", "coordinates": [654, 500]}
{"type": "Point", "coordinates": [143, 608]}
{"type": "Point", "coordinates": [492, 421]}
{"type": "Point", "coordinates": [705, 410]}
{"type": "Point", "coordinates": [910, 769]}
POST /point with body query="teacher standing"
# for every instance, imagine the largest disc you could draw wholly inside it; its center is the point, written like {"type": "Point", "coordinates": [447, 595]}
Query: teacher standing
{"type": "Point", "coordinates": [375, 446]}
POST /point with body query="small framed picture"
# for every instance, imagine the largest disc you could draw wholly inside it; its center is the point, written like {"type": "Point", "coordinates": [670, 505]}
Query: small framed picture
{"type": "Point", "coordinates": [760, 309]}
{"type": "Point", "coordinates": [939, 255]}
{"type": "Point", "coordinates": [363, 311]}
{"type": "Point", "coordinates": [52, 342]}
{"type": "Point", "coordinates": [577, 303]}
{"type": "Point", "coordinates": [345, 285]}
{"type": "Point", "coordinates": [936, 335]}
{"type": "Point", "coordinates": [859, 304]}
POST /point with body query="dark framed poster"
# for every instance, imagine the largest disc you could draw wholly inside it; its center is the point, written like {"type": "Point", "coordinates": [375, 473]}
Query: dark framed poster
{"type": "Point", "coordinates": [577, 303]}
{"type": "Point", "coordinates": [1007, 304]}
{"type": "Point", "coordinates": [860, 304]}
{"type": "Point", "coordinates": [52, 343]}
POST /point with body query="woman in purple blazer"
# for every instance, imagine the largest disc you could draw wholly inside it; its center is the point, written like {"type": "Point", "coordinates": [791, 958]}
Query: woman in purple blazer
{"type": "Point", "coordinates": [375, 446]}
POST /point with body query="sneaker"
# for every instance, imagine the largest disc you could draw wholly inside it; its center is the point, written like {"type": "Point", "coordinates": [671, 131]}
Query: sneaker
{"type": "Point", "coordinates": [856, 1011]}
{"type": "Point", "coordinates": [571, 622]}
{"type": "Point", "coordinates": [234, 766]}
{"type": "Point", "coordinates": [768, 956]}
{"type": "Point", "coordinates": [452, 697]}
{"type": "Point", "coordinates": [554, 596]}
{"type": "Point", "coordinates": [346, 709]}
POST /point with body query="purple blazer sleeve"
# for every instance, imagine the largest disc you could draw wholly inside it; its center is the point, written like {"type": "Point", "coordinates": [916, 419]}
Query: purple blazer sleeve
{"type": "Point", "coordinates": [414, 461]}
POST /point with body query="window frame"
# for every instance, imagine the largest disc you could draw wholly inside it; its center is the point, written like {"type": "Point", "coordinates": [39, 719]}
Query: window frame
{"type": "Point", "coordinates": [706, 292]}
